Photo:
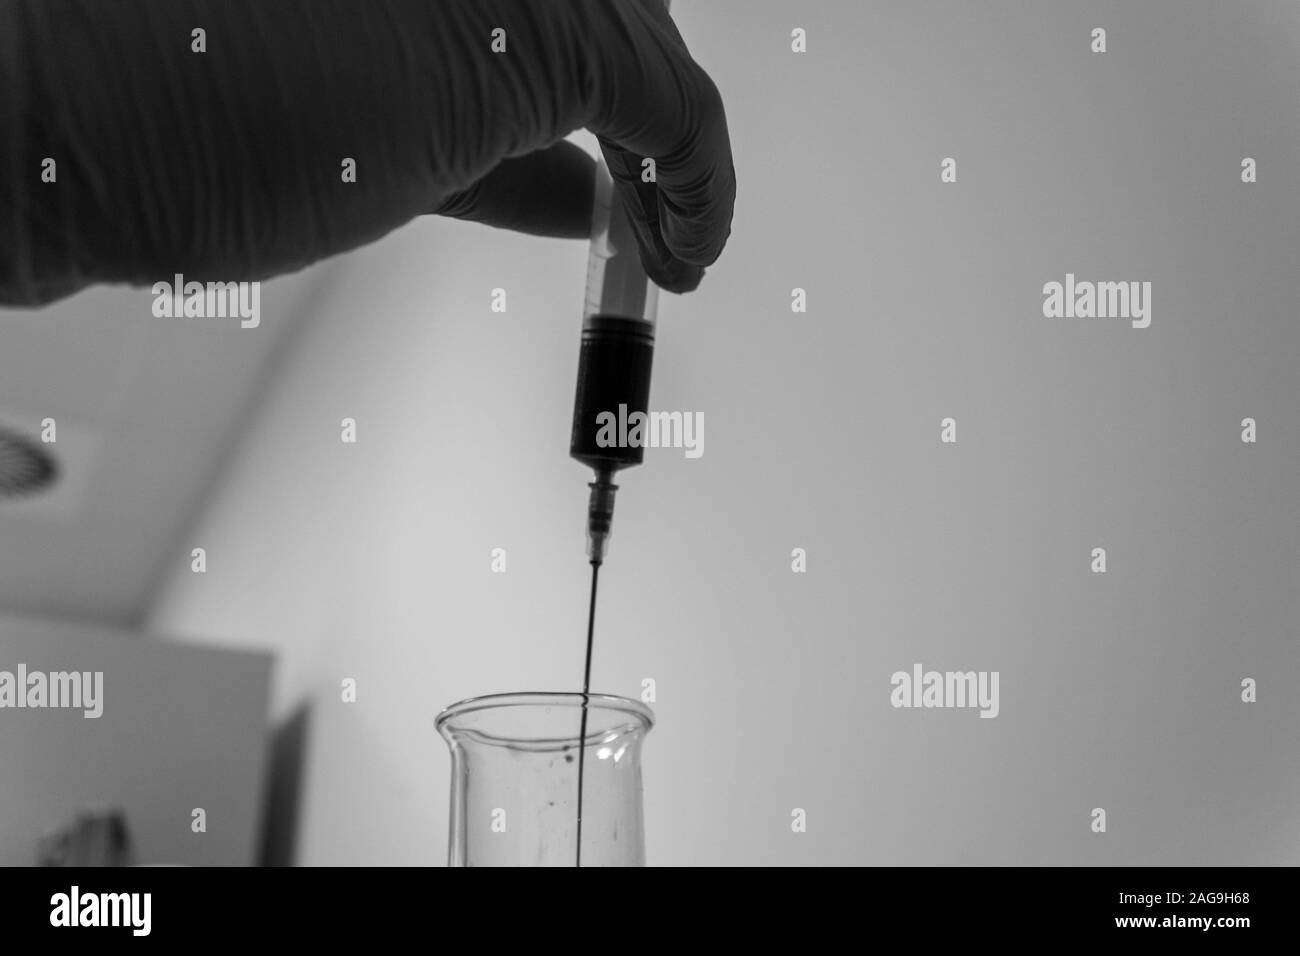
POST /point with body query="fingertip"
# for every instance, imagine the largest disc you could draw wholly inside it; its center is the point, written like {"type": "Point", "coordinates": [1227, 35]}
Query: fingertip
{"type": "Point", "coordinates": [674, 276]}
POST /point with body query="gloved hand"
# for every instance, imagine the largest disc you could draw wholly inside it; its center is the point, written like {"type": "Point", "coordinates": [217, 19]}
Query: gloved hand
{"type": "Point", "coordinates": [226, 165]}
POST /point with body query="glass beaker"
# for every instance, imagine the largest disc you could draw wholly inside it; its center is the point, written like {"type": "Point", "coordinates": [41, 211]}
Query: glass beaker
{"type": "Point", "coordinates": [514, 780]}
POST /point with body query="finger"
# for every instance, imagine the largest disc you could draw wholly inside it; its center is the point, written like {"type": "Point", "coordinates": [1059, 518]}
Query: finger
{"type": "Point", "coordinates": [641, 203]}
{"type": "Point", "coordinates": [653, 100]}
{"type": "Point", "coordinates": [545, 193]}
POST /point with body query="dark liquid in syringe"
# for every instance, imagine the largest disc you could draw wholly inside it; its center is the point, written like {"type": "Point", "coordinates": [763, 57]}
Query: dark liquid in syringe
{"type": "Point", "coordinates": [613, 378]}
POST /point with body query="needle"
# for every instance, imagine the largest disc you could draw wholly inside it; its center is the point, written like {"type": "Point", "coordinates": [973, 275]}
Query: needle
{"type": "Point", "coordinates": [586, 688]}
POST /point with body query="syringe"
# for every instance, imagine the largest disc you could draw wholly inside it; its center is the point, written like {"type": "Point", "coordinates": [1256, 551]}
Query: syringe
{"type": "Point", "coordinates": [618, 335]}
{"type": "Point", "coordinates": [618, 340]}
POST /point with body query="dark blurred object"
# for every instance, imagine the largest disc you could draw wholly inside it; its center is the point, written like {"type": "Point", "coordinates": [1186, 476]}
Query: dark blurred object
{"type": "Point", "coordinates": [284, 789]}
{"type": "Point", "coordinates": [94, 838]}
{"type": "Point", "coordinates": [25, 466]}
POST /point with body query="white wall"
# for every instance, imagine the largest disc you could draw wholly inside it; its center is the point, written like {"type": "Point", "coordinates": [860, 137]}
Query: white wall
{"type": "Point", "coordinates": [371, 561]}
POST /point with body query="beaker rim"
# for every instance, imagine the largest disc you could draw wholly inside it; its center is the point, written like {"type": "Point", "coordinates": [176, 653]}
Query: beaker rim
{"type": "Point", "coordinates": [540, 698]}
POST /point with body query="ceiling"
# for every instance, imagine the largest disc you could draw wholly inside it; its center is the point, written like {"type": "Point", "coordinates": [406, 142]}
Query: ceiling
{"type": "Point", "coordinates": [145, 411]}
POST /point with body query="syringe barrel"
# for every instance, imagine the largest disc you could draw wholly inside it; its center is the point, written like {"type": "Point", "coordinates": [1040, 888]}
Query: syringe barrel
{"type": "Point", "coordinates": [616, 283]}
{"type": "Point", "coordinates": [614, 365]}
{"type": "Point", "coordinates": [618, 329]}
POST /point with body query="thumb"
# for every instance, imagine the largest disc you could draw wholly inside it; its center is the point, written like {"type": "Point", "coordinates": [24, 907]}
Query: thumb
{"type": "Point", "coordinates": [544, 193]}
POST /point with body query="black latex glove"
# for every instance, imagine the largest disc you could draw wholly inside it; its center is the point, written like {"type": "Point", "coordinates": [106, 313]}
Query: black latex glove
{"type": "Point", "coordinates": [226, 165]}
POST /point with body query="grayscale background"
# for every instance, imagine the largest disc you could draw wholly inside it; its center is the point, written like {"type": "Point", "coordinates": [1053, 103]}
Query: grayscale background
{"type": "Point", "coordinates": [372, 561]}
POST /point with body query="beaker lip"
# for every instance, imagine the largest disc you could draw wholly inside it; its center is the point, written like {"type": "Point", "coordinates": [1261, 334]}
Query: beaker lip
{"type": "Point", "coordinates": [597, 702]}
